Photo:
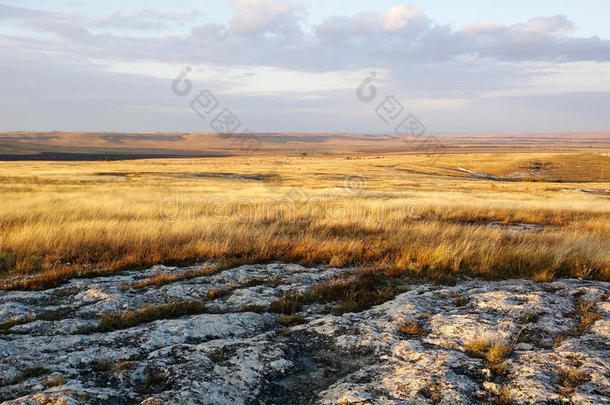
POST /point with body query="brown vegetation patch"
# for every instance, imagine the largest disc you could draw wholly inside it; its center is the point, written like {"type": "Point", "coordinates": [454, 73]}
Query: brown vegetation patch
{"type": "Point", "coordinates": [26, 374]}
{"type": "Point", "coordinates": [289, 303]}
{"type": "Point", "coordinates": [290, 320]}
{"type": "Point", "coordinates": [53, 380]}
{"type": "Point", "coordinates": [411, 327]}
{"type": "Point", "coordinates": [161, 279]}
{"type": "Point", "coordinates": [587, 316]}
{"type": "Point", "coordinates": [570, 379]}
{"type": "Point", "coordinates": [127, 319]}
{"type": "Point", "coordinates": [432, 392]}
{"type": "Point", "coordinates": [493, 352]}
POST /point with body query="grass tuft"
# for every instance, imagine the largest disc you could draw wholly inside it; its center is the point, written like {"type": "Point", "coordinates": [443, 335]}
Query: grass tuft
{"type": "Point", "coordinates": [570, 379]}
{"type": "Point", "coordinates": [288, 304]}
{"type": "Point", "coordinates": [493, 351]}
{"type": "Point", "coordinates": [587, 316]}
{"type": "Point", "coordinates": [411, 327]}
{"type": "Point", "coordinates": [127, 319]}
{"type": "Point", "coordinates": [290, 320]}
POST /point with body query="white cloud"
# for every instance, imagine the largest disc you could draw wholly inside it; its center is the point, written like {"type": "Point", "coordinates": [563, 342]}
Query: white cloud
{"type": "Point", "coordinates": [574, 77]}
{"type": "Point", "coordinates": [270, 33]}
{"type": "Point", "coordinates": [143, 19]}
{"type": "Point", "coordinates": [252, 80]}
{"type": "Point", "coordinates": [558, 25]}
{"type": "Point", "coordinates": [266, 60]}
{"type": "Point", "coordinates": [401, 17]}
{"type": "Point", "coordinates": [340, 27]}
{"type": "Point", "coordinates": [258, 16]}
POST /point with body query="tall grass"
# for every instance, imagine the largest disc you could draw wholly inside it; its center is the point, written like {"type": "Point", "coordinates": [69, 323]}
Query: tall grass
{"type": "Point", "coordinates": [61, 220]}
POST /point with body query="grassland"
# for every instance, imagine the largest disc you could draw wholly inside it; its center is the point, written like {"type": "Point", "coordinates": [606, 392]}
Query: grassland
{"type": "Point", "coordinates": [400, 213]}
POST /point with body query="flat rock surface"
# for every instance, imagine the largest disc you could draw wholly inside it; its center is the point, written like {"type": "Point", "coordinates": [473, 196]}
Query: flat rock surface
{"type": "Point", "coordinates": [237, 353]}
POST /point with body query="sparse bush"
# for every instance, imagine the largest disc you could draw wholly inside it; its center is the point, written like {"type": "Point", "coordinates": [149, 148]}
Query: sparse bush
{"type": "Point", "coordinates": [504, 397]}
{"type": "Point", "coordinates": [220, 355]}
{"type": "Point", "coordinates": [411, 327]}
{"type": "Point", "coordinates": [53, 380]}
{"type": "Point", "coordinates": [30, 372]}
{"type": "Point", "coordinates": [587, 316]}
{"type": "Point", "coordinates": [123, 320]}
{"type": "Point", "coordinates": [10, 322]}
{"type": "Point", "coordinates": [494, 352]}
{"type": "Point", "coordinates": [528, 317]}
{"type": "Point", "coordinates": [259, 309]}
{"type": "Point", "coordinates": [367, 288]}
{"type": "Point", "coordinates": [155, 381]}
{"type": "Point", "coordinates": [123, 365]}
{"type": "Point", "coordinates": [569, 380]}
{"type": "Point", "coordinates": [461, 301]}
{"type": "Point", "coordinates": [103, 364]}
{"type": "Point", "coordinates": [536, 179]}
{"type": "Point", "coordinates": [432, 392]}
{"type": "Point", "coordinates": [162, 279]}
{"type": "Point", "coordinates": [290, 320]}
{"type": "Point", "coordinates": [288, 304]}
{"type": "Point", "coordinates": [215, 293]}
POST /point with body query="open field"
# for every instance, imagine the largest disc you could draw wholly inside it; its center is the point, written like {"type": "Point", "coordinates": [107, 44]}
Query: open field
{"type": "Point", "coordinates": [539, 216]}
{"type": "Point", "coordinates": [307, 277]}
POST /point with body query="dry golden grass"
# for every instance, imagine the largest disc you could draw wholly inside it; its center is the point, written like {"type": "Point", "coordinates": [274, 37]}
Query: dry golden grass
{"type": "Point", "coordinates": [587, 316]}
{"type": "Point", "coordinates": [569, 380]}
{"type": "Point", "coordinates": [493, 351]}
{"type": "Point", "coordinates": [161, 279]}
{"type": "Point", "coordinates": [404, 214]}
{"type": "Point", "coordinates": [363, 289]}
{"type": "Point", "coordinates": [411, 327]}
{"type": "Point", "coordinates": [126, 319]}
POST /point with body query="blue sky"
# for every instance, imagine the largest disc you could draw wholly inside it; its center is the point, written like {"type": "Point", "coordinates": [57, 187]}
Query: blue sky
{"type": "Point", "coordinates": [469, 66]}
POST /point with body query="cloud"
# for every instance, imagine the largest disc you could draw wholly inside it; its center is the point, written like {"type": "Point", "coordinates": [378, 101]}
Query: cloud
{"type": "Point", "coordinates": [65, 30]}
{"type": "Point", "coordinates": [403, 17]}
{"type": "Point", "coordinates": [10, 12]}
{"type": "Point", "coordinates": [558, 25]}
{"type": "Point", "coordinates": [265, 61]}
{"type": "Point", "coordinates": [143, 19]}
{"type": "Point", "coordinates": [76, 27]}
{"type": "Point", "coordinates": [260, 16]}
{"type": "Point", "coordinates": [216, 32]}
{"type": "Point", "coordinates": [339, 27]}
{"type": "Point", "coordinates": [271, 33]}
{"type": "Point", "coordinates": [541, 38]}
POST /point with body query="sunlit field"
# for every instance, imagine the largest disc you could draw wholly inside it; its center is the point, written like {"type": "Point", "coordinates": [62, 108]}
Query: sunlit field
{"type": "Point", "coordinates": [544, 216]}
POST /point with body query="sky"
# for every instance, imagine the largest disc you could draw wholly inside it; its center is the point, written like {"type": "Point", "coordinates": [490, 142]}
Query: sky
{"type": "Point", "coordinates": [291, 65]}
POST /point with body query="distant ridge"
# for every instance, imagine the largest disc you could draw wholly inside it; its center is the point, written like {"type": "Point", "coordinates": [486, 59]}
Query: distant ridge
{"type": "Point", "coordinates": [119, 145]}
